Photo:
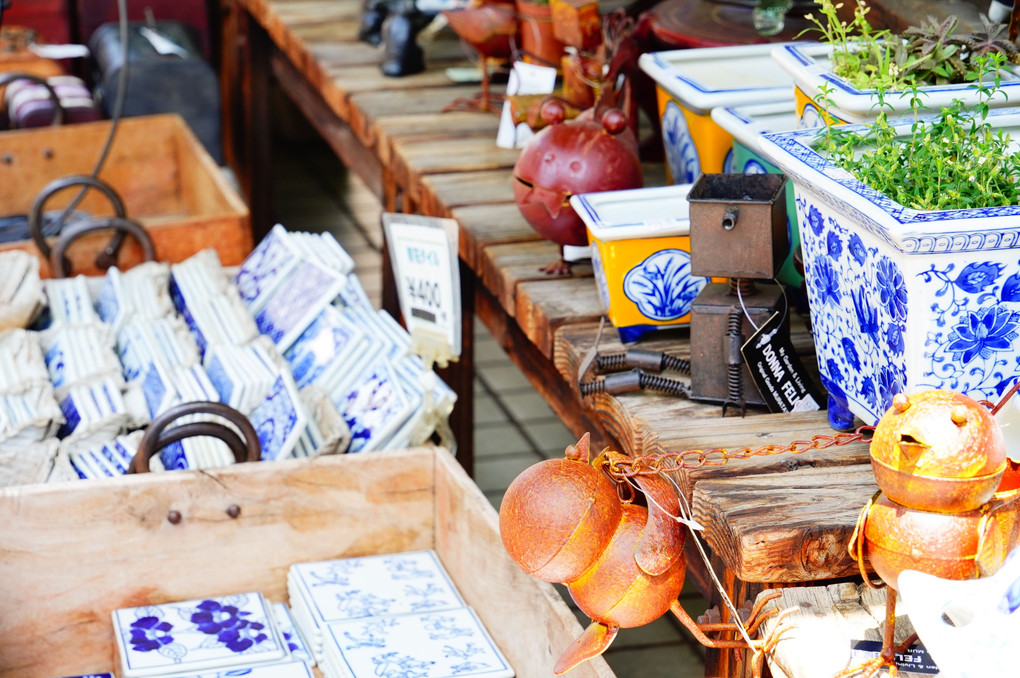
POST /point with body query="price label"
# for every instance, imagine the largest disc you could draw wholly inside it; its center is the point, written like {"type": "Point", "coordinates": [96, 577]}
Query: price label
{"type": "Point", "coordinates": [423, 252]}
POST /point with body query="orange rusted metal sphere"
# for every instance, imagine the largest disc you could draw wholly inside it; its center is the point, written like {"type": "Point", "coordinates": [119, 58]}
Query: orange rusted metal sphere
{"type": "Point", "coordinates": [938, 450]}
{"type": "Point", "coordinates": [616, 591]}
{"type": "Point", "coordinates": [557, 517]}
{"type": "Point", "coordinates": [948, 545]}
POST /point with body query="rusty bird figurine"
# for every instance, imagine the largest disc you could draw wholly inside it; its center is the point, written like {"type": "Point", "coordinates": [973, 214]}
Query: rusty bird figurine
{"type": "Point", "coordinates": [489, 27]}
{"type": "Point", "coordinates": [939, 458]}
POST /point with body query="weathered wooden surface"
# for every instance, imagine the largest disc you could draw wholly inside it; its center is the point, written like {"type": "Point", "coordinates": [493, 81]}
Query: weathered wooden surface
{"type": "Point", "coordinates": [482, 226]}
{"type": "Point", "coordinates": [543, 306]}
{"type": "Point", "coordinates": [164, 176]}
{"type": "Point", "coordinates": [506, 266]}
{"type": "Point", "coordinates": [58, 588]}
{"type": "Point", "coordinates": [443, 193]}
{"type": "Point", "coordinates": [785, 527]}
{"type": "Point", "coordinates": [824, 621]}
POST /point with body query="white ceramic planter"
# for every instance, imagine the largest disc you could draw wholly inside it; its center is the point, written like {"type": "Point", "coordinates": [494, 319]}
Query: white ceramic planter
{"type": "Point", "coordinates": [902, 300]}
{"type": "Point", "coordinates": [641, 256]}
{"type": "Point", "coordinates": [810, 66]}
{"type": "Point", "coordinates": [690, 83]}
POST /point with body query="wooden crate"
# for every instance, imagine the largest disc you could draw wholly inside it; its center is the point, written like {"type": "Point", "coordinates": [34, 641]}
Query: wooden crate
{"type": "Point", "coordinates": [166, 178]}
{"type": "Point", "coordinates": [72, 552]}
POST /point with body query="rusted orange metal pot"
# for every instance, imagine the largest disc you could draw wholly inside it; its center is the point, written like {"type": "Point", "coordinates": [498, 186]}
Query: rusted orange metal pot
{"type": "Point", "coordinates": [948, 545]}
{"type": "Point", "coordinates": [938, 450]}
{"type": "Point", "coordinates": [615, 590]}
{"type": "Point", "coordinates": [557, 517]}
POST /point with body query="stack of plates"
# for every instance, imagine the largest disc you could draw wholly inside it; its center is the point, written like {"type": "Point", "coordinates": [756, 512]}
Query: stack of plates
{"type": "Point", "coordinates": [376, 615]}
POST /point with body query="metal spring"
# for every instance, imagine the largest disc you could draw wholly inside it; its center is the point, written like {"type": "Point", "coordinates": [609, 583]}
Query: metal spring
{"type": "Point", "coordinates": [615, 362]}
{"type": "Point", "coordinates": [681, 365]}
{"type": "Point", "coordinates": [634, 380]}
{"type": "Point", "coordinates": [611, 362]}
{"type": "Point", "coordinates": [665, 385]}
{"type": "Point", "coordinates": [734, 373]}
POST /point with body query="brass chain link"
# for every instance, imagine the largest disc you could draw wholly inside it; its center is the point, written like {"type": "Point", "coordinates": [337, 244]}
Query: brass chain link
{"type": "Point", "coordinates": [628, 467]}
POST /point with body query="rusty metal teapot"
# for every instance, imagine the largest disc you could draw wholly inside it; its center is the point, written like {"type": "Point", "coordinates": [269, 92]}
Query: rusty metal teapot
{"type": "Point", "coordinates": [596, 151]}
{"type": "Point", "coordinates": [564, 521]}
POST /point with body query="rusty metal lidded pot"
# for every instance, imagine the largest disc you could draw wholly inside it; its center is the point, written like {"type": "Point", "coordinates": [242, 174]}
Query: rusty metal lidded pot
{"type": "Point", "coordinates": [938, 450]}
{"type": "Point", "coordinates": [948, 545]}
{"type": "Point", "coordinates": [589, 154]}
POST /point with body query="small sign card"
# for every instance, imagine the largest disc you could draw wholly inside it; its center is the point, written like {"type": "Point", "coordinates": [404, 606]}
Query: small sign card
{"type": "Point", "coordinates": [524, 78]}
{"type": "Point", "coordinates": [777, 370]}
{"type": "Point", "coordinates": [423, 252]}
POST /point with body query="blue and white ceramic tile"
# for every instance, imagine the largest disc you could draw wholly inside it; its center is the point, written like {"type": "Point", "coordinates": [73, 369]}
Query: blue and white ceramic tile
{"type": "Point", "coordinates": [662, 286]}
{"type": "Point", "coordinates": [430, 645]}
{"type": "Point", "coordinates": [269, 264]}
{"type": "Point", "coordinates": [279, 420]}
{"type": "Point", "coordinates": [901, 299]}
{"type": "Point", "coordinates": [289, 634]}
{"type": "Point", "coordinates": [286, 669]}
{"type": "Point", "coordinates": [93, 675]}
{"type": "Point", "coordinates": [398, 583]}
{"type": "Point", "coordinates": [293, 306]}
{"type": "Point", "coordinates": [374, 408]}
{"type": "Point", "coordinates": [196, 635]}
{"type": "Point", "coordinates": [329, 340]}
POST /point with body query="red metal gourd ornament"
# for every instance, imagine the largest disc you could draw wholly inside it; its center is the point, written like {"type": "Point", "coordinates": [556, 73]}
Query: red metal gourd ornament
{"type": "Point", "coordinates": [594, 152]}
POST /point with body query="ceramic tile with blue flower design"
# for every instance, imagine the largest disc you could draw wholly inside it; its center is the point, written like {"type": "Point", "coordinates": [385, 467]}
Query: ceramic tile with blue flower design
{"type": "Point", "coordinates": [280, 420]}
{"type": "Point", "coordinates": [293, 306]}
{"type": "Point", "coordinates": [196, 635]}
{"type": "Point", "coordinates": [269, 264]}
{"type": "Point", "coordinates": [430, 645]}
{"type": "Point", "coordinates": [396, 583]}
{"type": "Point", "coordinates": [288, 669]}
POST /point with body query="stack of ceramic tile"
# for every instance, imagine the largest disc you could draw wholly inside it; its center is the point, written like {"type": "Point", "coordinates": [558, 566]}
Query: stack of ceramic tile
{"type": "Point", "coordinates": [324, 324]}
{"type": "Point", "coordinates": [224, 636]}
{"type": "Point", "coordinates": [370, 616]}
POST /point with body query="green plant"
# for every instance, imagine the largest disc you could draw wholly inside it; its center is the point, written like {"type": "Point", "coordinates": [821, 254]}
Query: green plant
{"type": "Point", "coordinates": [929, 54]}
{"type": "Point", "coordinates": [955, 161]}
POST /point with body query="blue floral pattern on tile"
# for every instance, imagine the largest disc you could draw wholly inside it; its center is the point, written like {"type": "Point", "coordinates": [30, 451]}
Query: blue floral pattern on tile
{"type": "Point", "coordinates": [195, 632]}
{"type": "Point", "coordinates": [681, 154]}
{"type": "Point", "coordinates": [662, 286]}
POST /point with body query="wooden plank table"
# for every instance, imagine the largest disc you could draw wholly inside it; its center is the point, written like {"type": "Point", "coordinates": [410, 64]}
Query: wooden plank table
{"type": "Point", "coordinates": [770, 520]}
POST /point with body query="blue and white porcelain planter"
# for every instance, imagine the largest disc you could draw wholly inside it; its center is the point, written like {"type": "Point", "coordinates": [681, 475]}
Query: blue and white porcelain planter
{"type": "Point", "coordinates": [901, 299]}
{"type": "Point", "coordinates": [810, 66]}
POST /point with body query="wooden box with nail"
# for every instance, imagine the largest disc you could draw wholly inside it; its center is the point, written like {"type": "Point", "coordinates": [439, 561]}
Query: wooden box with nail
{"type": "Point", "coordinates": [73, 552]}
{"type": "Point", "coordinates": [164, 180]}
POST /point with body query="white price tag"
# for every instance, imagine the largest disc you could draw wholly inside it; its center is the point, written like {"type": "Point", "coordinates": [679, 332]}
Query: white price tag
{"type": "Point", "coordinates": [423, 252]}
{"type": "Point", "coordinates": [525, 78]}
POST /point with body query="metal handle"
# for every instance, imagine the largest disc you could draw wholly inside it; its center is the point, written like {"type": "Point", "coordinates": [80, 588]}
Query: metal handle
{"type": "Point", "coordinates": [58, 110]}
{"type": "Point", "coordinates": [57, 185]}
{"type": "Point", "coordinates": [158, 436]}
{"type": "Point", "coordinates": [61, 266]}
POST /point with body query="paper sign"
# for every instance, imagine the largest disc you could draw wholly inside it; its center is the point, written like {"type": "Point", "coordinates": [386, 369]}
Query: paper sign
{"type": "Point", "coordinates": [524, 78]}
{"type": "Point", "coordinates": [423, 252]}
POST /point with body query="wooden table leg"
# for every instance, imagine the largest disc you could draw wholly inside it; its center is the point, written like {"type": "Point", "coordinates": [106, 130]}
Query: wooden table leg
{"type": "Point", "coordinates": [244, 88]}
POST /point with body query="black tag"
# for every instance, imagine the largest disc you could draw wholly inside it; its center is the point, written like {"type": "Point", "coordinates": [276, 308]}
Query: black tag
{"type": "Point", "coordinates": [777, 370]}
{"type": "Point", "coordinates": [914, 659]}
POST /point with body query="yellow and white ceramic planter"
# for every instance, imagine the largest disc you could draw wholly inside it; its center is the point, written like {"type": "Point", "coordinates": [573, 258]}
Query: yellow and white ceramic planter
{"type": "Point", "coordinates": [641, 248]}
{"type": "Point", "coordinates": [690, 83]}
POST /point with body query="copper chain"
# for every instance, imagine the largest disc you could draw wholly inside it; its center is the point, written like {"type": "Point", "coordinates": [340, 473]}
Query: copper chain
{"type": "Point", "coordinates": [626, 467]}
